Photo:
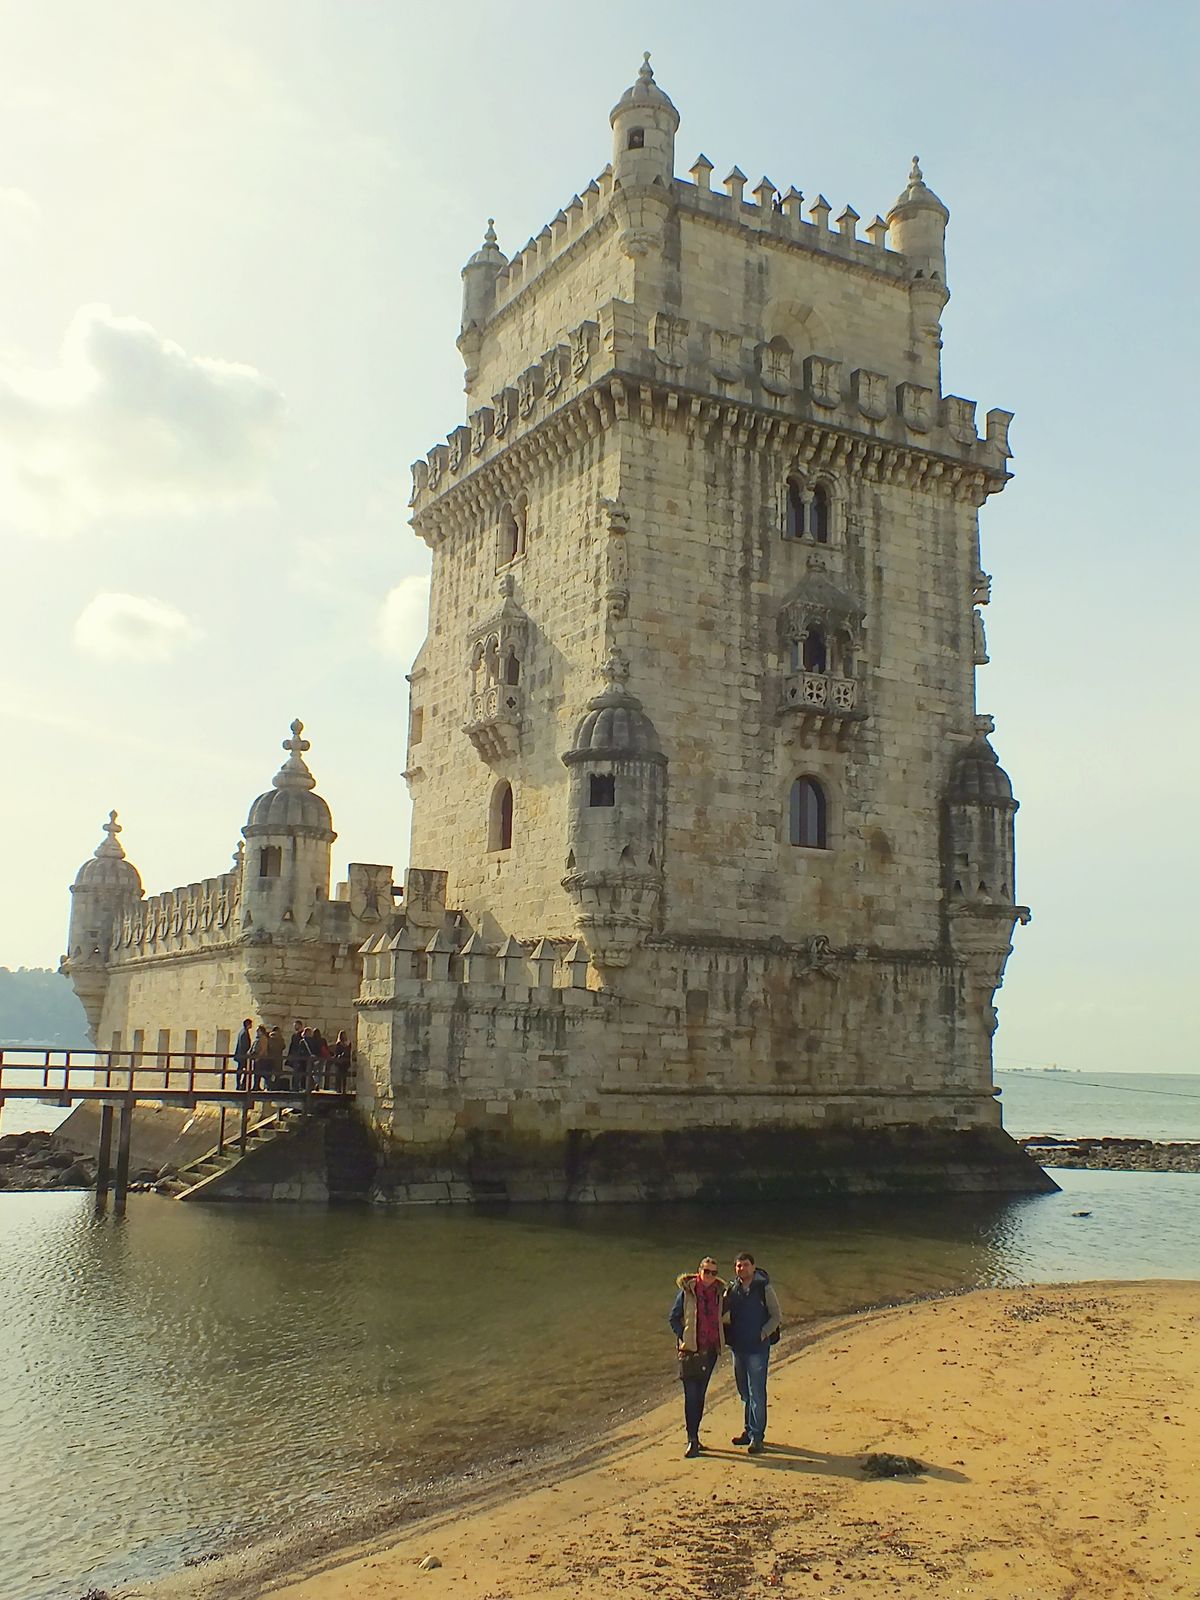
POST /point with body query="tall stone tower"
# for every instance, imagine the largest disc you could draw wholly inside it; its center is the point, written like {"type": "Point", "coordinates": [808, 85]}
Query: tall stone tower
{"type": "Point", "coordinates": [694, 754]}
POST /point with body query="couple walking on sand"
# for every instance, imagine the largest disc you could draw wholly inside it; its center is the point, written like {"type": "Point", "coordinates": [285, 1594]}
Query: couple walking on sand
{"type": "Point", "coordinates": [743, 1316]}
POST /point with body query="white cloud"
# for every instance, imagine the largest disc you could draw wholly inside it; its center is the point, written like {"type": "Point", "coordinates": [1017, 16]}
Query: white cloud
{"type": "Point", "coordinates": [132, 627]}
{"type": "Point", "coordinates": [400, 628]}
{"type": "Point", "coordinates": [130, 423]}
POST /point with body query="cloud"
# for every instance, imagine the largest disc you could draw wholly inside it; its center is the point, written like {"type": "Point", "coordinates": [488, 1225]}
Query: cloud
{"type": "Point", "coordinates": [400, 627]}
{"type": "Point", "coordinates": [132, 627]}
{"type": "Point", "coordinates": [129, 423]}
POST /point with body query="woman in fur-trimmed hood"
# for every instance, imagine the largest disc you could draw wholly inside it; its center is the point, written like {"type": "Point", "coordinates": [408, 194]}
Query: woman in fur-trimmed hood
{"type": "Point", "coordinates": [696, 1322]}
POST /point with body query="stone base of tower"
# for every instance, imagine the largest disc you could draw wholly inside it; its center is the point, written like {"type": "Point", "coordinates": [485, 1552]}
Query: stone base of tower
{"type": "Point", "coordinates": [705, 1070]}
{"type": "Point", "coordinates": [708, 1165]}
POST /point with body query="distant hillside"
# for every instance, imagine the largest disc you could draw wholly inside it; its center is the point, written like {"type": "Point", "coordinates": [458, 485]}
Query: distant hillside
{"type": "Point", "coordinates": [39, 1007]}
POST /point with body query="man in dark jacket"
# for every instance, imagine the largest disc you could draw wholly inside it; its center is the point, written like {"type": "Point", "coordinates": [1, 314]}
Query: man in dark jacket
{"type": "Point", "coordinates": [752, 1316]}
{"type": "Point", "coordinates": [241, 1054]}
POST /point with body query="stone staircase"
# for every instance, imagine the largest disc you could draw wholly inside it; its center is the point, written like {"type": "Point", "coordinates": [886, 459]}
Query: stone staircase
{"type": "Point", "coordinates": [192, 1181]}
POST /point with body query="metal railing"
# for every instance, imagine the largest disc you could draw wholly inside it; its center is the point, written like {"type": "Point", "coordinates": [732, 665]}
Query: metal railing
{"type": "Point", "coordinates": [44, 1072]}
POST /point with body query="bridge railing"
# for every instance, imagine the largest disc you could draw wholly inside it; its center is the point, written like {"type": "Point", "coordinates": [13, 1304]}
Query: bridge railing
{"type": "Point", "coordinates": [30, 1072]}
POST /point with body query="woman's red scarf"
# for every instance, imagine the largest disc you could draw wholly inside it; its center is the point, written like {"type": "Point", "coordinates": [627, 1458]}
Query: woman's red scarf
{"type": "Point", "coordinates": [708, 1314]}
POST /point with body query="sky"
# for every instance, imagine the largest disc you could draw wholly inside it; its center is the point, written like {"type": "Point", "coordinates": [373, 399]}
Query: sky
{"type": "Point", "coordinates": [230, 245]}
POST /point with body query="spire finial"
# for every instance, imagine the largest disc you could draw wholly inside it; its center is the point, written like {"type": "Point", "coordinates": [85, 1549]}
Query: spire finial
{"type": "Point", "coordinates": [615, 669]}
{"type": "Point", "coordinates": [645, 71]}
{"type": "Point", "coordinates": [490, 235]}
{"type": "Point", "coordinates": [293, 774]}
{"type": "Point", "coordinates": [916, 175]}
{"type": "Point", "coordinates": [109, 846]}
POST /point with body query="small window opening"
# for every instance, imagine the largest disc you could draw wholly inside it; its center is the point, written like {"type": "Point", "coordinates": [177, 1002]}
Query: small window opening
{"type": "Point", "coordinates": [816, 656]}
{"type": "Point", "coordinates": [794, 517]}
{"type": "Point", "coordinates": [270, 861]}
{"type": "Point", "coordinates": [602, 789]}
{"type": "Point", "coordinates": [818, 526]}
{"type": "Point", "coordinates": [510, 536]}
{"type": "Point", "coordinates": [637, 139]}
{"type": "Point", "coordinates": [500, 822]}
{"type": "Point", "coordinates": [807, 815]}
{"type": "Point", "coordinates": [416, 725]}
{"type": "Point", "coordinates": [512, 669]}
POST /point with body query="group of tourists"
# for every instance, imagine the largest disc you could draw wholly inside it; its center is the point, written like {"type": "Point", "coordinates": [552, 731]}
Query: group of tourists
{"type": "Point", "coordinates": [307, 1061]}
{"type": "Point", "coordinates": [742, 1316]}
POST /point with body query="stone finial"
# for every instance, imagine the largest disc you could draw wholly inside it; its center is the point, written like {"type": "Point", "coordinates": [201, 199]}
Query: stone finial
{"type": "Point", "coordinates": [646, 71]}
{"type": "Point", "coordinates": [764, 192]}
{"type": "Point", "coordinates": [792, 202]}
{"type": "Point", "coordinates": [700, 172]}
{"type": "Point", "coordinates": [615, 668]}
{"type": "Point", "coordinates": [846, 222]}
{"type": "Point", "coordinates": [735, 182]}
{"type": "Point", "coordinates": [294, 774]}
{"type": "Point", "coordinates": [109, 846]}
{"type": "Point", "coordinates": [819, 212]}
{"type": "Point", "coordinates": [915, 174]}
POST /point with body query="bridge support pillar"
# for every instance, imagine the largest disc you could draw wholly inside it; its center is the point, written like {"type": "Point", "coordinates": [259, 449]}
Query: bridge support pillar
{"type": "Point", "coordinates": [104, 1155]}
{"type": "Point", "coordinates": [124, 1133]}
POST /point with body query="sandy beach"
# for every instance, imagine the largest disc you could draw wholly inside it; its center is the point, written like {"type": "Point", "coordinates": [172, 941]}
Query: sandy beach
{"type": "Point", "coordinates": [1059, 1430]}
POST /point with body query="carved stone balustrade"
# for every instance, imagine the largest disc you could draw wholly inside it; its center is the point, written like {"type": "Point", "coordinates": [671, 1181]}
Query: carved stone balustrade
{"type": "Point", "coordinates": [822, 709]}
{"type": "Point", "coordinates": [493, 722]}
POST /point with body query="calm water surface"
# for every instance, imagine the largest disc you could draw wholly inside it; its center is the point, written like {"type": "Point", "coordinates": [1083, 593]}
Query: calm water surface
{"type": "Point", "coordinates": [195, 1374]}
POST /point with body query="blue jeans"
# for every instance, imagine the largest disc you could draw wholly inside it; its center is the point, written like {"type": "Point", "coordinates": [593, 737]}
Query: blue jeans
{"type": "Point", "coordinates": [694, 1390]}
{"type": "Point", "coordinates": [750, 1375]}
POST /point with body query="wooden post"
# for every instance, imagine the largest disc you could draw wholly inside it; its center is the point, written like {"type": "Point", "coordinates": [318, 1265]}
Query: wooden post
{"type": "Point", "coordinates": [124, 1131]}
{"type": "Point", "coordinates": [245, 1127]}
{"type": "Point", "coordinates": [104, 1154]}
{"type": "Point", "coordinates": [221, 1133]}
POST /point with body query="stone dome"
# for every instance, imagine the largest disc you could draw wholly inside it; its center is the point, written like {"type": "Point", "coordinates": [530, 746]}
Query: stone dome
{"type": "Point", "coordinates": [917, 195]}
{"type": "Point", "coordinates": [291, 803]}
{"type": "Point", "coordinates": [645, 93]}
{"type": "Point", "coordinates": [979, 779]}
{"type": "Point", "coordinates": [107, 869]}
{"type": "Point", "coordinates": [614, 727]}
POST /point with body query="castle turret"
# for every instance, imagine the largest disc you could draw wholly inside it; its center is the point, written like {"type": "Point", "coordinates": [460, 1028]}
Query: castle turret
{"type": "Point", "coordinates": [288, 835]}
{"type": "Point", "coordinates": [105, 886]}
{"type": "Point", "coordinates": [644, 124]}
{"type": "Point", "coordinates": [479, 296]}
{"type": "Point", "coordinates": [617, 821]}
{"type": "Point", "coordinates": [917, 228]}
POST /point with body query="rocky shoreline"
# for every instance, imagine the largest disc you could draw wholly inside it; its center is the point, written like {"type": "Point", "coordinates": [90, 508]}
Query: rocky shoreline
{"type": "Point", "coordinates": [1107, 1154]}
{"type": "Point", "coordinates": [31, 1162]}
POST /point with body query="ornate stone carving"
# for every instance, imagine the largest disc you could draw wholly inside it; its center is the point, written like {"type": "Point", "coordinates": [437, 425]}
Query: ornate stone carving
{"type": "Point", "coordinates": [458, 443]}
{"type": "Point", "coordinates": [481, 429]}
{"type": "Point", "coordinates": [916, 406]}
{"type": "Point", "coordinates": [495, 701]}
{"type": "Point", "coordinates": [670, 337]}
{"type": "Point", "coordinates": [823, 381]}
{"type": "Point", "coordinates": [583, 342]}
{"type": "Point", "coordinates": [775, 366]}
{"type": "Point", "coordinates": [870, 390]}
{"type": "Point", "coordinates": [960, 419]}
{"type": "Point", "coordinates": [725, 353]}
{"type": "Point", "coordinates": [504, 411]}
{"type": "Point", "coordinates": [529, 387]}
{"type": "Point", "coordinates": [554, 370]}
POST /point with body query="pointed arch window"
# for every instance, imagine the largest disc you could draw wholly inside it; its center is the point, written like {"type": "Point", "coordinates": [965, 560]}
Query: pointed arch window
{"type": "Point", "coordinates": [807, 511]}
{"type": "Point", "coordinates": [818, 528]}
{"type": "Point", "coordinates": [808, 815]}
{"type": "Point", "coordinates": [500, 817]}
{"type": "Point", "coordinates": [510, 544]}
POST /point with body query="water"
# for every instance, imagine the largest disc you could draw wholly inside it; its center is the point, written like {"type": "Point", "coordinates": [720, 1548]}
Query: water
{"type": "Point", "coordinates": [198, 1374]}
{"type": "Point", "coordinates": [1142, 1105]}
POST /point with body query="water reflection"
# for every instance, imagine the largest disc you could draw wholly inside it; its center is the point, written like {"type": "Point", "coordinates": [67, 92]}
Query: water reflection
{"type": "Point", "coordinates": [193, 1373]}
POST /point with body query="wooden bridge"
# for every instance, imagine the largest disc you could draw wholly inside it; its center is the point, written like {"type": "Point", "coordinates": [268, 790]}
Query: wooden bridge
{"type": "Point", "coordinates": [120, 1079]}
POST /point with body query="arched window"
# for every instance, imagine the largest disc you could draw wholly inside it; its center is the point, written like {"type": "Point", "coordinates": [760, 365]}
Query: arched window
{"type": "Point", "coordinates": [793, 526]}
{"type": "Point", "coordinates": [512, 668]}
{"type": "Point", "coordinates": [818, 515]}
{"type": "Point", "coordinates": [816, 656]}
{"type": "Point", "coordinates": [511, 538]}
{"type": "Point", "coordinates": [500, 818]}
{"type": "Point", "coordinates": [807, 815]}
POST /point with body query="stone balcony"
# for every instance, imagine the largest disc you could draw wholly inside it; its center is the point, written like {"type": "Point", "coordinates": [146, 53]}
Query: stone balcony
{"type": "Point", "coordinates": [493, 722]}
{"type": "Point", "coordinates": [821, 709]}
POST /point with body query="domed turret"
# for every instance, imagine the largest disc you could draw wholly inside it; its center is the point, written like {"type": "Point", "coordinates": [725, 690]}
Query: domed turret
{"type": "Point", "coordinates": [105, 886]}
{"type": "Point", "coordinates": [917, 226]}
{"type": "Point", "coordinates": [479, 280]}
{"type": "Point", "coordinates": [289, 831]}
{"type": "Point", "coordinates": [644, 124]}
{"type": "Point", "coordinates": [981, 808]}
{"type": "Point", "coordinates": [616, 820]}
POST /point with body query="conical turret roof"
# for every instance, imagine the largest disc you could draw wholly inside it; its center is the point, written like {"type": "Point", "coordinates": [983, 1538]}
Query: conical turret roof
{"type": "Point", "coordinates": [107, 867]}
{"type": "Point", "coordinates": [291, 802]}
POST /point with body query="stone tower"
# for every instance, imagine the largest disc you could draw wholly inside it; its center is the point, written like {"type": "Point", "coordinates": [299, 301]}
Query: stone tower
{"type": "Point", "coordinates": [695, 761]}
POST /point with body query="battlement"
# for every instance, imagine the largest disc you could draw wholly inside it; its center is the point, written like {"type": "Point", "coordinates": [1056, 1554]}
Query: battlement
{"type": "Point", "coordinates": [408, 966]}
{"type": "Point", "coordinates": [194, 917]}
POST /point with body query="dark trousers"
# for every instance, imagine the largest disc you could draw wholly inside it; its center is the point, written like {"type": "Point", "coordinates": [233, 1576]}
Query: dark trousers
{"type": "Point", "coordinates": [694, 1390]}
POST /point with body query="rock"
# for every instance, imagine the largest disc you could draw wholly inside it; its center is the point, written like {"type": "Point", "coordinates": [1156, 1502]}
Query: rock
{"type": "Point", "coordinates": [78, 1175]}
{"type": "Point", "coordinates": [8, 1155]}
{"type": "Point", "coordinates": [60, 1158]}
{"type": "Point", "coordinates": [882, 1464]}
{"type": "Point", "coordinates": [427, 1563]}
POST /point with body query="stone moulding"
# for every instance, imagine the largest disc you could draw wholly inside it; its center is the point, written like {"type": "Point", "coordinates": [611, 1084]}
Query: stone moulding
{"type": "Point", "coordinates": [606, 402]}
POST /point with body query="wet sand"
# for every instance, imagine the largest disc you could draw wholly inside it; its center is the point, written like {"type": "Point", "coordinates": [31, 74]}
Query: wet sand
{"type": "Point", "coordinates": [1058, 1428]}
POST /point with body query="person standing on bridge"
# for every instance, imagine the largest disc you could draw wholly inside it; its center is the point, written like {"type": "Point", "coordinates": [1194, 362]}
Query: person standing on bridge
{"type": "Point", "coordinates": [241, 1054]}
{"type": "Point", "coordinates": [261, 1058]}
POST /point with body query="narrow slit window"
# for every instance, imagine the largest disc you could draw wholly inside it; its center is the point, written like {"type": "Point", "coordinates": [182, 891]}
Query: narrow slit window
{"type": "Point", "coordinates": [819, 514]}
{"type": "Point", "coordinates": [500, 823]}
{"type": "Point", "coordinates": [270, 861]}
{"type": "Point", "coordinates": [807, 828]}
{"type": "Point", "coordinates": [602, 789]}
{"type": "Point", "coordinates": [793, 524]}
